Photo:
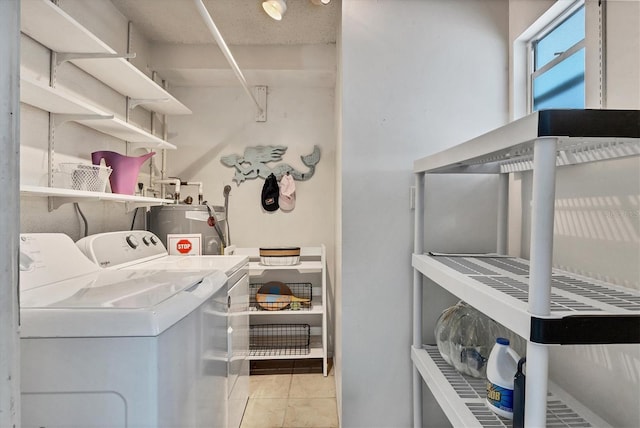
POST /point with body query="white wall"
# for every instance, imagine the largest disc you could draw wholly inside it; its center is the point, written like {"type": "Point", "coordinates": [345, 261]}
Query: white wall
{"type": "Point", "coordinates": [623, 55]}
{"type": "Point", "coordinates": [417, 77]}
{"type": "Point", "coordinates": [223, 123]}
{"type": "Point", "coordinates": [597, 227]}
{"type": "Point", "coordinates": [9, 274]}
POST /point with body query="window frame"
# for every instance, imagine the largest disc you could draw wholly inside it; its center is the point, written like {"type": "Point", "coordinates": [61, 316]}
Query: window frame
{"type": "Point", "coordinates": [539, 35]}
{"type": "Point", "coordinates": [521, 62]}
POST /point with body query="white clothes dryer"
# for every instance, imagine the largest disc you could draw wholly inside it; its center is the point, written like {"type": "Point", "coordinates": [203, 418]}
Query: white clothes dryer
{"type": "Point", "coordinates": [116, 348]}
{"type": "Point", "coordinates": [139, 249]}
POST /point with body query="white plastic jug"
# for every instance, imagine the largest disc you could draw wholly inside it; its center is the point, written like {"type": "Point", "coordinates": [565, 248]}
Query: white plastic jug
{"type": "Point", "coordinates": [501, 368]}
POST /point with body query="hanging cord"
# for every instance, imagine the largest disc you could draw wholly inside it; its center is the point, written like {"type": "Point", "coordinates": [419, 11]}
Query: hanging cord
{"type": "Point", "coordinates": [133, 222]}
{"type": "Point", "coordinates": [84, 219]}
{"type": "Point", "coordinates": [225, 192]}
{"type": "Point", "coordinates": [213, 221]}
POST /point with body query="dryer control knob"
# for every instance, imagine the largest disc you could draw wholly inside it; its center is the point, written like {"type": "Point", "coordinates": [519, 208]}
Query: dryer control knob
{"type": "Point", "coordinates": [145, 241]}
{"type": "Point", "coordinates": [154, 241]}
{"type": "Point", "coordinates": [132, 241]}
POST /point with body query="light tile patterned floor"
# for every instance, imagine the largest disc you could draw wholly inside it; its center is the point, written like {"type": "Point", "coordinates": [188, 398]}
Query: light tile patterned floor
{"type": "Point", "coordinates": [291, 401]}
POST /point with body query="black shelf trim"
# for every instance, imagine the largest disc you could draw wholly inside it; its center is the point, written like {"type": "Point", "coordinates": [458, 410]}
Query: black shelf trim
{"type": "Point", "coordinates": [589, 123]}
{"type": "Point", "coordinates": [586, 330]}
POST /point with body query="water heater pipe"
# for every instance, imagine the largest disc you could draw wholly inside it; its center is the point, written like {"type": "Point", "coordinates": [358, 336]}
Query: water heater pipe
{"type": "Point", "coordinates": [200, 189]}
{"type": "Point", "coordinates": [176, 182]}
{"type": "Point", "coordinates": [225, 51]}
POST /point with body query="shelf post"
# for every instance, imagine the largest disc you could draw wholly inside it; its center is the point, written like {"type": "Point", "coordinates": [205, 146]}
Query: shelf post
{"type": "Point", "coordinates": [10, 214]}
{"type": "Point", "coordinates": [541, 252]}
{"type": "Point", "coordinates": [503, 214]}
{"type": "Point", "coordinates": [418, 248]}
{"type": "Point", "coordinates": [325, 302]}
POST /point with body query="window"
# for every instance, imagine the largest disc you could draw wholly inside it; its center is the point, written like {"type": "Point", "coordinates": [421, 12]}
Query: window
{"type": "Point", "coordinates": [557, 77]}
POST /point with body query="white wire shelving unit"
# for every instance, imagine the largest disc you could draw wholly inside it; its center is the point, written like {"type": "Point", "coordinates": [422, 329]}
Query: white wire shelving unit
{"type": "Point", "coordinates": [543, 305]}
{"type": "Point", "coordinates": [312, 269]}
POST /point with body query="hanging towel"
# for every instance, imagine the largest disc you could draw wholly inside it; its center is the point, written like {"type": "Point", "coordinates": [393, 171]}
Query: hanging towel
{"type": "Point", "coordinates": [287, 199]}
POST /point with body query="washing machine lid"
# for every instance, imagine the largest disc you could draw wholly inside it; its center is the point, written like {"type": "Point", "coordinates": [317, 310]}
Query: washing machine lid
{"type": "Point", "coordinates": [111, 289]}
{"type": "Point", "coordinates": [116, 303]}
{"type": "Point", "coordinates": [227, 264]}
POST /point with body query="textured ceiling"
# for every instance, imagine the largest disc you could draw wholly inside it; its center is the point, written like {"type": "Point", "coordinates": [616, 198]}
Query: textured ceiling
{"type": "Point", "coordinates": [241, 22]}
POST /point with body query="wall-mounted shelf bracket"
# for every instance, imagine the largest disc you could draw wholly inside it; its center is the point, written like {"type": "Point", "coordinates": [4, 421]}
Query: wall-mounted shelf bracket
{"type": "Point", "coordinates": [133, 103]}
{"type": "Point", "coordinates": [56, 202]}
{"type": "Point", "coordinates": [70, 56]}
{"type": "Point", "coordinates": [261, 99]}
{"type": "Point", "coordinates": [131, 206]}
{"type": "Point", "coordinates": [62, 118]}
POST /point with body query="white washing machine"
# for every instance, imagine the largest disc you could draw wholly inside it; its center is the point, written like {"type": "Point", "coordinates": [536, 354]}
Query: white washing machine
{"type": "Point", "coordinates": [126, 348]}
{"type": "Point", "coordinates": [140, 249]}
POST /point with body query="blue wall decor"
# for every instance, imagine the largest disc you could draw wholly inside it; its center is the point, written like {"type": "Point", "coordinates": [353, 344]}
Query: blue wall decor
{"type": "Point", "coordinates": [253, 163]}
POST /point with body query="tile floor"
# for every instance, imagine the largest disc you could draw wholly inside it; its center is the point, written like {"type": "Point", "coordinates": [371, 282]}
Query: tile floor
{"type": "Point", "coordinates": [292, 400]}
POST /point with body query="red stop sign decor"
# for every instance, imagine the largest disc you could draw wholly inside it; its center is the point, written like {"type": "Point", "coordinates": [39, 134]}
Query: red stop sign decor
{"type": "Point", "coordinates": [183, 246]}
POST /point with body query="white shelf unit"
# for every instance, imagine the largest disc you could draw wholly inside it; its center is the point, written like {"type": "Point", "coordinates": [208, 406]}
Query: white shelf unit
{"type": "Point", "coordinates": [48, 24]}
{"type": "Point", "coordinates": [311, 270]}
{"type": "Point", "coordinates": [462, 397]}
{"type": "Point", "coordinates": [543, 305]}
{"type": "Point", "coordinates": [52, 27]}
{"type": "Point", "coordinates": [67, 107]}
{"type": "Point", "coordinates": [60, 197]}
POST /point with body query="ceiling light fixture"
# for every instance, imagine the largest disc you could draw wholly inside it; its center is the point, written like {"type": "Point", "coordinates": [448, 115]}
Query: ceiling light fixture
{"type": "Point", "coordinates": [275, 8]}
{"type": "Point", "coordinates": [320, 2]}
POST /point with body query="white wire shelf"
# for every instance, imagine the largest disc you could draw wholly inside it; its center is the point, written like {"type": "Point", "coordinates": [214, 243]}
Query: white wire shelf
{"type": "Point", "coordinates": [582, 310]}
{"type": "Point", "coordinates": [462, 398]}
{"type": "Point", "coordinates": [314, 309]}
{"type": "Point", "coordinates": [284, 353]}
{"type": "Point", "coordinates": [582, 136]}
{"type": "Point", "coordinates": [48, 24]}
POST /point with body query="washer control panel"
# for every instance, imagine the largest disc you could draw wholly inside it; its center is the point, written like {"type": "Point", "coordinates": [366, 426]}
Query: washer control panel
{"type": "Point", "coordinates": [112, 249]}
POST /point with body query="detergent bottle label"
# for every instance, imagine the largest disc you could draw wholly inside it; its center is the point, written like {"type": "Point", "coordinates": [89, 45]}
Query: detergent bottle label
{"type": "Point", "coordinates": [500, 397]}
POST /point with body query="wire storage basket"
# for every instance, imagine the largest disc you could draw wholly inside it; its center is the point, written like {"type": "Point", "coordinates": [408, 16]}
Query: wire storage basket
{"type": "Point", "coordinates": [279, 339]}
{"type": "Point", "coordinates": [301, 290]}
{"type": "Point", "coordinates": [79, 176]}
